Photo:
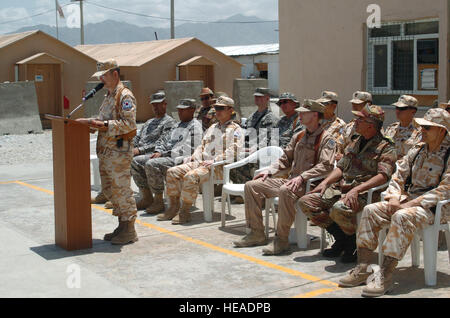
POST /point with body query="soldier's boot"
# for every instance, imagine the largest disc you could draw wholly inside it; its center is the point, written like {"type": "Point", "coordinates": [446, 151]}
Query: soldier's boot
{"type": "Point", "coordinates": [99, 199]}
{"type": "Point", "coordinates": [340, 238]}
{"type": "Point", "coordinates": [278, 246]}
{"type": "Point", "coordinates": [157, 206]}
{"type": "Point", "coordinates": [172, 211]}
{"type": "Point", "coordinates": [349, 255]}
{"type": "Point", "coordinates": [381, 281]}
{"type": "Point", "coordinates": [184, 216]}
{"type": "Point", "coordinates": [127, 234]}
{"type": "Point", "coordinates": [109, 205]}
{"type": "Point", "coordinates": [108, 237]}
{"type": "Point", "coordinates": [358, 275]}
{"type": "Point", "coordinates": [254, 238]}
{"type": "Point", "coordinates": [145, 199]}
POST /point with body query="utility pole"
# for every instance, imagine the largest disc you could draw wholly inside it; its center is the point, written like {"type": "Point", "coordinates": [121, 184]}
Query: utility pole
{"type": "Point", "coordinates": [81, 21]}
{"type": "Point", "coordinates": [172, 19]}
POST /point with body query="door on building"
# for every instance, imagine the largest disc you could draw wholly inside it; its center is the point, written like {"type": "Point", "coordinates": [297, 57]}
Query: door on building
{"type": "Point", "coordinates": [198, 68]}
{"type": "Point", "coordinates": [47, 78]}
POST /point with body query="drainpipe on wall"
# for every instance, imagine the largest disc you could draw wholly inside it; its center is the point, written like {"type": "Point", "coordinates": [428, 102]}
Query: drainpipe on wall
{"type": "Point", "coordinates": [16, 73]}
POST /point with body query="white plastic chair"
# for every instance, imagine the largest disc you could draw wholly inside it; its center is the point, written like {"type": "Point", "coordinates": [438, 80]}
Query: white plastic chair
{"type": "Point", "coordinates": [265, 157]}
{"type": "Point", "coordinates": [208, 193]}
{"type": "Point", "coordinates": [430, 237]}
{"type": "Point", "coordinates": [97, 184]}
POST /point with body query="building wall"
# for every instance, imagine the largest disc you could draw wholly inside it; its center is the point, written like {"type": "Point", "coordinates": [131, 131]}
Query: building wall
{"type": "Point", "coordinates": [323, 44]}
{"type": "Point", "coordinates": [76, 71]}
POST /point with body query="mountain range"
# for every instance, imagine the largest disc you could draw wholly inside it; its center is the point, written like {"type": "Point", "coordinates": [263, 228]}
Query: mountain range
{"type": "Point", "coordinates": [227, 34]}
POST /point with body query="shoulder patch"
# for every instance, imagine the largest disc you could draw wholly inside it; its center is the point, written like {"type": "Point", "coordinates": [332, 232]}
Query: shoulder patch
{"type": "Point", "coordinates": [331, 143]}
{"type": "Point", "coordinates": [127, 104]}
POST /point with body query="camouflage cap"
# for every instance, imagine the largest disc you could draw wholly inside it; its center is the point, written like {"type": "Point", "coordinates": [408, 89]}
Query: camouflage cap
{"type": "Point", "coordinates": [406, 101]}
{"type": "Point", "coordinates": [187, 103]}
{"type": "Point", "coordinates": [361, 97]}
{"type": "Point", "coordinates": [327, 96]}
{"type": "Point", "coordinates": [158, 97]}
{"type": "Point", "coordinates": [261, 91]}
{"type": "Point", "coordinates": [224, 101]}
{"type": "Point", "coordinates": [372, 112]}
{"type": "Point", "coordinates": [206, 91]}
{"type": "Point", "coordinates": [288, 96]}
{"type": "Point", "coordinates": [310, 105]}
{"type": "Point", "coordinates": [435, 117]}
{"type": "Point", "coordinates": [104, 67]}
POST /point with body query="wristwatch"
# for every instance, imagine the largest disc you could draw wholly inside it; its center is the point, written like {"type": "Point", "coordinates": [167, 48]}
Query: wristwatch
{"type": "Point", "coordinates": [106, 123]}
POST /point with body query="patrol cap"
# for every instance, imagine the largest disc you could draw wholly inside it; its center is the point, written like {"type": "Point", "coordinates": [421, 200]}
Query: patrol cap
{"type": "Point", "coordinates": [310, 105]}
{"type": "Point", "coordinates": [372, 112]}
{"type": "Point", "coordinates": [104, 67]}
{"type": "Point", "coordinates": [158, 97]}
{"type": "Point", "coordinates": [187, 103]}
{"type": "Point", "coordinates": [437, 117]}
{"type": "Point", "coordinates": [224, 101]}
{"type": "Point", "coordinates": [361, 97]}
{"type": "Point", "coordinates": [206, 91]}
{"type": "Point", "coordinates": [261, 91]}
{"type": "Point", "coordinates": [328, 96]}
{"type": "Point", "coordinates": [406, 101]}
{"type": "Point", "coordinates": [288, 96]}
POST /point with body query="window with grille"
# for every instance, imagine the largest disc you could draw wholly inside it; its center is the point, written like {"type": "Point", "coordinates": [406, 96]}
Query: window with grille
{"type": "Point", "coordinates": [403, 58]}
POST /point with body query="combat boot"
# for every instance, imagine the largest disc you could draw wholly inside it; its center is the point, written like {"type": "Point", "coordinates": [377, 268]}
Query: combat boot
{"type": "Point", "coordinates": [340, 238]}
{"type": "Point", "coordinates": [184, 216]}
{"type": "Point", "coordinates": [127, 235]}
{"type": "Point", "coordinates": [359, 274]}
{"type": "Point", "coordinates": [172, 211]}
{"type": "Point", "coordinates": [381, 281]}
{"type": "Point", "coordinates": [278, 246]}
{"type": "Point", "coordinates": [254, 238]}
{"type": "Point", "coordinates": [108, 237]}
{"type": "Point", "coordinates": [157, 206]}
{"type": "Point", "coordinates": [145, 199]}
{"type": "Point", "coordinates": [99, 199]}
{"type": "Point", "coordinates": [349, 255]}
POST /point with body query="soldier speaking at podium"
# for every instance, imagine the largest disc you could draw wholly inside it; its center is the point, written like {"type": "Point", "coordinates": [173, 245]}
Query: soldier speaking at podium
{"type": "Point", "coordinates": [116, 124]}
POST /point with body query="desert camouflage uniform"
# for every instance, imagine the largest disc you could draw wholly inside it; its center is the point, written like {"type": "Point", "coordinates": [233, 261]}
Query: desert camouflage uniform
{"type": "Point", "coordinates": [346, 137]}
{"type": "Point", "coordinates": [114, 162]}
{"type": "Point", "coordinates": [335, 127]}
{"type": "Point", "coordinates": [358, 166]}
{"type": "Point", "coordinates": [184, 180]}
{"type": "Point", "coordinates": [207, 116]}
{"type": "Point", "coordinates": [146, 140]}
{"type": "Point", "coordinates": [262, 123]}
{"type": "Point", "coordinates": [405, 138]}
{"type": "Point", "coordinates": [287, 128]}
{"type": "Point", "coordinates": [426, 169]}
{"type": "Point", "coordinates": [173, 147]}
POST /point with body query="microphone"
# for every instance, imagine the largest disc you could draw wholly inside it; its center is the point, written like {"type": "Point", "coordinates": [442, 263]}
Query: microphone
{"type": "Point", "coordinates": [93, 92]}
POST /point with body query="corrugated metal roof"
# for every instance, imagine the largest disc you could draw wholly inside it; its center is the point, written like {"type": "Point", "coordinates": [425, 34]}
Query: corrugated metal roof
{"type": "Point", "coordinates": [250, 49]}
{"type": "Point", "coordinates": [131, 54]}
{"type": "Point", "coordinates": [8, 39]}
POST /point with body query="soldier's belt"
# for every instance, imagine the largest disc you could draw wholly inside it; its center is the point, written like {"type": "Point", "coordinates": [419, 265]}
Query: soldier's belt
{"type": "Point", "coordinates": [128, 136]}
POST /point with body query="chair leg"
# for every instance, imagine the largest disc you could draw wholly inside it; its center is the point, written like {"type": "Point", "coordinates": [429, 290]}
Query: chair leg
{"type": "Point", "coordinates": [229, 204]}
{"type": "Point", "coordinates": [415, 251]}
{"type": "Point", "coordinates": [430, 245]}
{"type": "Point", "coordinates": [207, 208]}
{"type": "Point", "coordinates": [222, 216]}
{"type": "Point", "coordinates": [268, 205]}
{"type": "Point", "coordinates": [96, 174]}
{"type": "Point", "coordinates": [323, 240]}
{"type": "Point", "coordinates": [447, 238]}
{"type": "Point", "coordinates": [301, 222]}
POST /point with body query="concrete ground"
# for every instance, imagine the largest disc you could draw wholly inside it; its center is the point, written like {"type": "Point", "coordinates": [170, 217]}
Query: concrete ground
{"type": "Point", "coordinates": [193, 261]}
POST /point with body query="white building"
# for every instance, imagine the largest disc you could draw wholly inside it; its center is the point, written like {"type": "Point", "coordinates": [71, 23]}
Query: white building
{"type": "Point", "coordinates": [260, 61]}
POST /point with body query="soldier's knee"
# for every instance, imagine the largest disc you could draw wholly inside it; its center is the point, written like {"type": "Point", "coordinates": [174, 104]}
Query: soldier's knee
{"type": "Point", "coordinates": [191, 177]}
{"type": "Point", "coordinates": [305, 203]}
{"type": "Point", "coordinates": [400, 217]}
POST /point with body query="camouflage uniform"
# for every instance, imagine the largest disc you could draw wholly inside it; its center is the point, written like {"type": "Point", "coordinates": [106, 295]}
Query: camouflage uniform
{"type": "Point", "coordinates": [173, 147]}
{"type": "Point", "coordinates": [358, 165]}
{"type": "Point", "coordinates": [184, 180]}
{"type": "Point", "coordinates": [287, 128]}
{"type": "Point", "coordinates": [154, 130]}
{"type": "Point", "coordinates": [207, 116]}
{"type": "Point", "coordinates": [404, 138]}
{"type": "Point", "coordinates": [335, 126]}
{"type": "Point", "coordinates": [114, 162]}
{"type": "Point", "coordinates": [429, 180]}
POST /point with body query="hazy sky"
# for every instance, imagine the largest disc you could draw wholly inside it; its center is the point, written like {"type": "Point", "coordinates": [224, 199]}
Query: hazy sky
{"type": "Point", "coordinates": [209, 10]}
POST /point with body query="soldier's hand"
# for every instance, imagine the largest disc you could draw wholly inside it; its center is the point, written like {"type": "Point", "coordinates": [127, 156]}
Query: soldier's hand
{"type": "Point", "coordinates": [84, 121]}
{"type": "Point", "coordinates": [136, 152]}
{"type": "Point", "coordinates": [155, 155]}
{"type": "Point", "coordinates": [319, 189]}
{"type": "Point", "coordinates": [393, 205]}
{"type": "Point", "coordinates": [263, 176]}
{"type": "Point", "coordinates": [295, 184]}
{"type": "Point", "coordinates": [350, 199]}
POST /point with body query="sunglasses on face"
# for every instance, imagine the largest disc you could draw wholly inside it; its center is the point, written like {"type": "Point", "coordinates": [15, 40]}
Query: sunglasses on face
{"type": "Point", "coordinates": [220, 108]}
{"type": "Point", "coordinates": [205, 98]}
{"type": "Point", "coordinates": [427, 128]}
{"type": "Point", "coordinates": [283, 102]}
{"type": "Point", "coordinates": [401, 109]}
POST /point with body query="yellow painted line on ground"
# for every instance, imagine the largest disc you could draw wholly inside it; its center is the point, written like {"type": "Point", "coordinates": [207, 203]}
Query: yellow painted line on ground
{"type": "Point", "coordinates": [223, 250]}
{"type": "Point", "coordinates": [316, 293]}
{"type": "Point", "coordinates": [7, 182]}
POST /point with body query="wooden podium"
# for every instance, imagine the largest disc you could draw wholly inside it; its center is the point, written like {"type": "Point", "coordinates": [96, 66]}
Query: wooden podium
{"type": "Point", "coordinates": [72, 183]}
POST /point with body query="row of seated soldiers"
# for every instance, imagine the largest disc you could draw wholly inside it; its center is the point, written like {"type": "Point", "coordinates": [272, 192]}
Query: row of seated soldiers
{"type": "Point", "coordinates": [412, 155]}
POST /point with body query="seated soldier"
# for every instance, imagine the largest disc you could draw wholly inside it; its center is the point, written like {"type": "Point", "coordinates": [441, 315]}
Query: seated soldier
{"type": "Point", "coordinates": [331, 122]}
{"type": "Point", "coordinates": [310, 154]}
{"type": "Point", "coordinates": [288, 125]}
{"type": "Point", "coordinates": [205, 114]}
{"type": "Point", "coordinates": [403, 132]}
{"type": "Point", "coordinates": [421, 180]}
{"type": "Point", "coordinates": [222, 142]}
{"type": "Point", "coordinates": [180, 143]}
{"type": "Point", "coordinates": [368, 162]}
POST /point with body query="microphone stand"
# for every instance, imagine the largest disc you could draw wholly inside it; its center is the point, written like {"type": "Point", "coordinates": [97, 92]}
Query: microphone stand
{"type": "Point", "coordinates": [73, 111]}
